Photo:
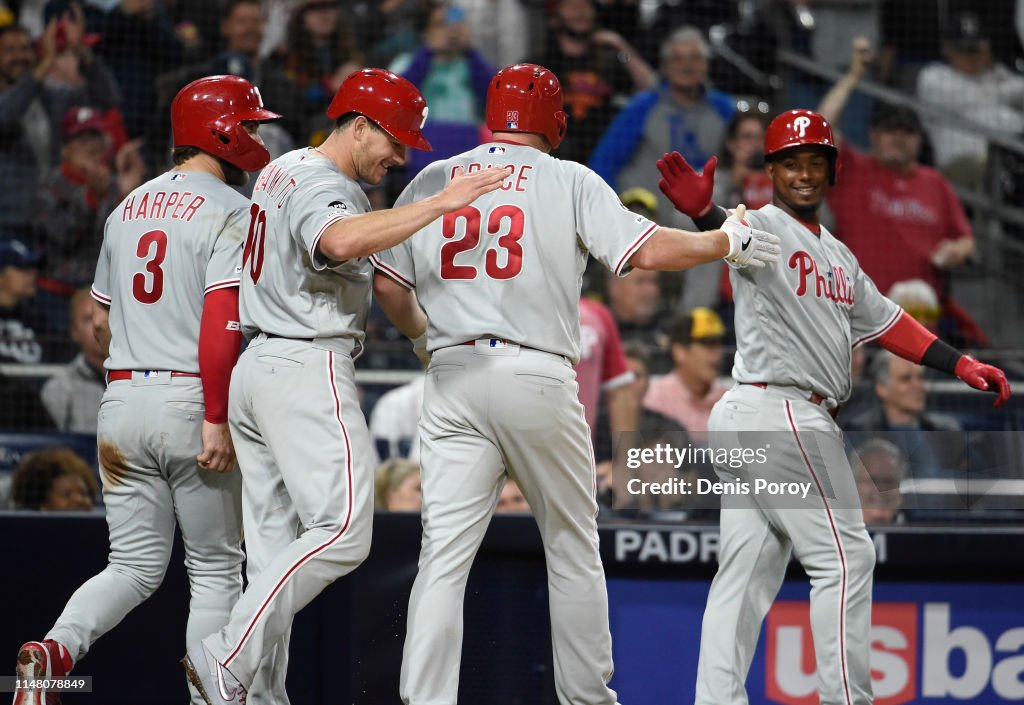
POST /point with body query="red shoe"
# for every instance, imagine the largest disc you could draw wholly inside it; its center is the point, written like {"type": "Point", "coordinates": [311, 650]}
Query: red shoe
{"type": "Point", "coordinates": [40, 660]}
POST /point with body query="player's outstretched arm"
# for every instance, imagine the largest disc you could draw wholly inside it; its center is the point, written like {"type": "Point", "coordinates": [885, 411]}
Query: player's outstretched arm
{"type": "Point", "coordinates": [367, 233]}
{"type": "Point", "coordinates": [402, 309]}
{"type": "Point", "coordinates": [670, 249]}
{"type": "Point", "coordinates": [912, 341]}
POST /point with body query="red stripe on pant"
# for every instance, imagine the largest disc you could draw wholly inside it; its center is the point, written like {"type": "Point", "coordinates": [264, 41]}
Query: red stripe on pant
{"type": "Point", "coordinates": [299, 563]}
{"type": "Point", "coordinates": [839, 546]}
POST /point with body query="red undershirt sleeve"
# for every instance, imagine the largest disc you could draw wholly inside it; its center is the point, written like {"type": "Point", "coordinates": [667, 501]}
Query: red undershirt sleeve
{"type": "Point", "coordinates": [220, 342]}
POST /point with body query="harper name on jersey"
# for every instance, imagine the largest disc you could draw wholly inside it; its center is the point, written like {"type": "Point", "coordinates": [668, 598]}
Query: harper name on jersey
{"type": "Point", "coordinates": [160, 206]}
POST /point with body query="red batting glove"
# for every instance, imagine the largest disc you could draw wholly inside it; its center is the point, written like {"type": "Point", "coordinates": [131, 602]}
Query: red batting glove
{"type": "Point", "coordinates": [689, 191]}
{"type": "Point", "coordinates": [984, 377]}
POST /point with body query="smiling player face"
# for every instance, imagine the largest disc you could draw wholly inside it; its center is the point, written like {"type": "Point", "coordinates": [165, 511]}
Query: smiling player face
{"type": "Point", "coordinates": [376, 152]}
{"type": "Point", "coordinates": [800, 180]}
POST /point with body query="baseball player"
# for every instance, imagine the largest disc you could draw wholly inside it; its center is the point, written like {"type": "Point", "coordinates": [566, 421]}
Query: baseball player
{"type": "Point", "coordinates": [166, 288]}
{"type": "Point", "coordinates": [499, 281]}
{"type": "Point", "coordinates": [301, 438]}
{"type": "Point", "coordinates": [797, 324]}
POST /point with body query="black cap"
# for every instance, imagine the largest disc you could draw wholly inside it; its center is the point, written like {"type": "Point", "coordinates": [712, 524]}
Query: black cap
{"type": "Point", "coordinates": [15, 253]}
{"type": "Point", "coordinates": [895, 117]}
{"type": "Point", "coordinates": [964, 32]}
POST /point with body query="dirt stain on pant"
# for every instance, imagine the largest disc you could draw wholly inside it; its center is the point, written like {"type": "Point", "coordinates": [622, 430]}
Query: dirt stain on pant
{"type": "Point", "coordinates": [112, 463]}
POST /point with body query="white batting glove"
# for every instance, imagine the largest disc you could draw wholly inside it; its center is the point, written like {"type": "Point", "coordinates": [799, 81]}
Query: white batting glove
{"type": "Point", "coordinates": [419, 346]}
{"type": "Point", "coordinates": [749, 247]}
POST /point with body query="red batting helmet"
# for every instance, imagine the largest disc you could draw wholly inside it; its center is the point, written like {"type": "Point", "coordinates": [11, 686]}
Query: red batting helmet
{"type": "Point", "coordinates": [208, 114]}
{"type": "Point", "coordinates": [526, 98]}
{"type": "Point", "coordinates": [391, 101]}
{"type": "Point", "coordinates": [795, 128]}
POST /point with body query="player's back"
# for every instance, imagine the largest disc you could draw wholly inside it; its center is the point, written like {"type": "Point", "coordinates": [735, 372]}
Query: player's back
{"type": "Point", "coordinates": [169, 243]}
{"type": "Point", "coordinates": [510, 265]}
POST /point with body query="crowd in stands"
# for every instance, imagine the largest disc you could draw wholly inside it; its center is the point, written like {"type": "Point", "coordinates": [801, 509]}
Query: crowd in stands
{"type": "Point", "coordinates": [85, 89]}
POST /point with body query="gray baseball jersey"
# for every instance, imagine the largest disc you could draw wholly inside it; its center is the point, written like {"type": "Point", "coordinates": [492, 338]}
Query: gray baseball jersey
{"type": "Point", "coordinates": [168, 244]}
{"type": "Point", "coordinates": [173, 237]}
{"type": "Point", "coordinates": [508, 265]}
{"type": "Point", "coordinates": [289, 288]}
{"type": "Point", "coordinates": [798, 321]}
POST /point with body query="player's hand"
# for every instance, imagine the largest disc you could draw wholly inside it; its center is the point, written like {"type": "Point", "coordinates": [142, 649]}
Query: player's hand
{"type": "Point", "coordinates": [749, 247]}
{"type": "Point", "coordinates": [218, 451]}
{"type": "Point", "coordinates": [984, 377]}
{"type": "Point", "coordinates": [688, 191]}
{"type": "Point", "coordinates": [465, 188]}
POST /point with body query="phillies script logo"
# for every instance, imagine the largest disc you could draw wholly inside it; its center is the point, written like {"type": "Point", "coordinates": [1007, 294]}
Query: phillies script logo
{"type": "Point", "coordinates": [834, 284]}
{"type": "Point", "coordinates": [790, 670]}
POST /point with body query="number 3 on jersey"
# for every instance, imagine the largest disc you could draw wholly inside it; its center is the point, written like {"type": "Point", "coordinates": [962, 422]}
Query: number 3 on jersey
{"type": "Point", "coordinates": [507, 241]}
{"type": "Point", "coordinates": [255, 242]}
{"type": "Point", "coordinates": [150, 294]}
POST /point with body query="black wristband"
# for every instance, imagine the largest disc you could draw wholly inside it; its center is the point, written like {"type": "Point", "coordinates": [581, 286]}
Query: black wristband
{"type": "Point", "coordinates": [942, 357]}
{"type": "Point", "coordinates": [712, 220]}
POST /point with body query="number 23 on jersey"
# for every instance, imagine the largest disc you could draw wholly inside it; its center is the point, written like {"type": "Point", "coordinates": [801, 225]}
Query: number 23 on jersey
{"type": "Point", "coordinates": [505, 222]}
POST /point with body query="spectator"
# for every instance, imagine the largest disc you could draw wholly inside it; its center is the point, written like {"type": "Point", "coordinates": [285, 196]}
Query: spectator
{"type": "Point", "coordinates": [72, 395]}
{"type": "Point", "coordinates": [397, 486]}
{"type": "Point", "coordinates": [899, 416]}
{"type": "Point", "coordinates": [919, 299]}
{"type": "Point", "coordinates": [20, 329]}
{"type": "Point", "coordinates": [395, 421]}
{"type": "Point", "coordinates": [740, 176]}
{"type": "Point", "coordinates": [973, 86]}
{"type": "Point", "coordinates": [673, 500]}
{"type": "Point", "coordinates": [511, 499]}
{"type": "Point", "coordinates": [880, 468]}
{"type": "Point", "coordinates": [139, 43]}
{"type": "Point", "coordinates": [634, 300]}
{"type": "Point", "coordinates": [386, 28]}
{"type": "Point", "coordinates": [500, 29]}
{"type": "Point", "coordinates": [602, 371]}
{"type": "Point", "coordinates": [54, 480]}
{"type": "Point", "coordinates": [687, 393]}
{"type": "Point", "coordinates": [453, 77]}
{"type": "Point", "coordinates": [596, 68]}
{"type": "Point", "coordinates": [887, 202]}
{"type": "Point", "coordinates": [243, 28]}
{"type": "Point", "coordinates": [321, 52]}
{"type": "Point", "coordinates": [31, 109]}
{"type": "Point", "coordinates": [78, 196]}
{"type": "Point", "coordinates": [682, 114]}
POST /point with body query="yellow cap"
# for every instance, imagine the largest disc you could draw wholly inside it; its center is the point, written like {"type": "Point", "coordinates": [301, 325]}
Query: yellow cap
{"type": "Point", "coordinates": [706, 324]}
{"type": "Point", "coordinates": [6, 16]}
{"type": "Point", "coordinates": [639, 195]}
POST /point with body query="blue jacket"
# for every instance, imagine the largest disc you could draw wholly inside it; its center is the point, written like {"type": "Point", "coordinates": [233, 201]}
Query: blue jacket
{"type": "Point", "coordinates": [622, 137]}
